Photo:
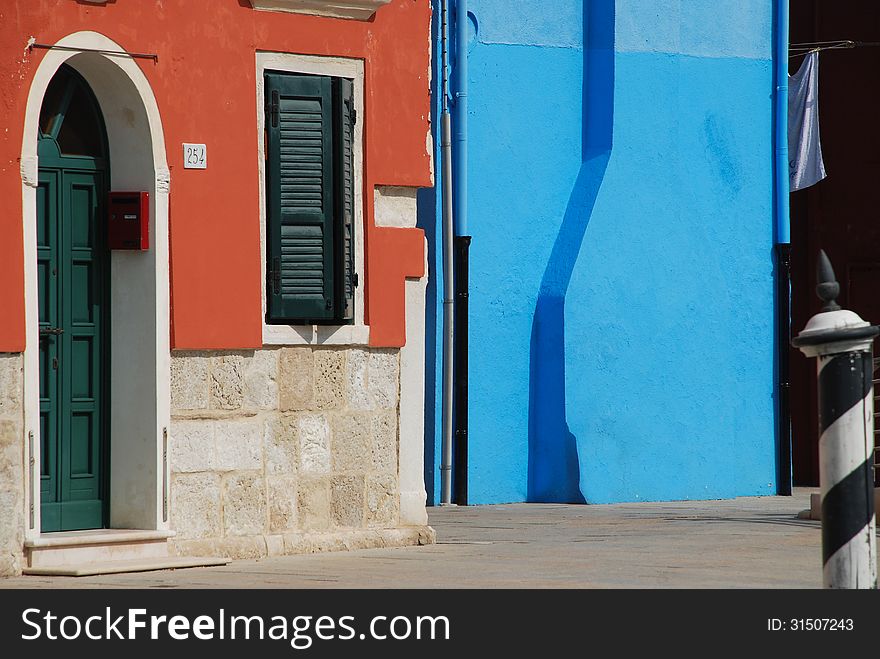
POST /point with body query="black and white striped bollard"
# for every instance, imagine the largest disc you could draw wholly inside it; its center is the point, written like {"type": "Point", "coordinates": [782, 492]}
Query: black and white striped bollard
{"type": "Point", "coordinates": [842, 341]}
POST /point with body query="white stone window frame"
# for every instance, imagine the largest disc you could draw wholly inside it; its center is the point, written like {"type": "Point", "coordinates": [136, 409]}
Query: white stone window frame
{"type": "Point", "coordinates": [356, 9]}
{"type": "Point", "coordinates": [362, 10]}
{"type": "Point", "coordinates": [356, 334]}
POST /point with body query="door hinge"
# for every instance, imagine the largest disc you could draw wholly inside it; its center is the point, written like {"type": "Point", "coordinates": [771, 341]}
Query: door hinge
{"type": "Point", "coordinates": [274, 275]}
{"type": "Point", "coordinates": [355, 280]}
{"type": "Point", "coordinates": [272, 108]}
{"type": "Point", "coordinates": [352, 112]}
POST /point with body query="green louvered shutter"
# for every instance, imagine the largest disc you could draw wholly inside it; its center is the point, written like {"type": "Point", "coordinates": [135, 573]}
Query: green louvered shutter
{"type": "Point", "coordinates": [345, 117]}
{"type": "Point", "coordinates": [300, 190]}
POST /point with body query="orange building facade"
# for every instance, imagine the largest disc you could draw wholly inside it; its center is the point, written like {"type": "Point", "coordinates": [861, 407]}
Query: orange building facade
{"type": "Point", "coordinates": [178, 400]}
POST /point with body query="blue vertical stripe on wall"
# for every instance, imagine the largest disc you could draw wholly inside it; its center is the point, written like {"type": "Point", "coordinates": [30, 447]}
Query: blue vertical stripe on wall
{"type": "Point", "coordinates": [622, 292]}
{"type": "Point", "coordinates": [554, 465]}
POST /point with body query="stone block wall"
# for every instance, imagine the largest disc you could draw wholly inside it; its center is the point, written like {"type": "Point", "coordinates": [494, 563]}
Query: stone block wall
{"type": "Point", "coordinates": [286, 450]}
{"type": "Point", "coordinates": [11, 463]}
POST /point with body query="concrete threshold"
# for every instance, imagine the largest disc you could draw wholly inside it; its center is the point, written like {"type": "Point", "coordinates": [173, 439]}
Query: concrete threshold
{"type": "Point", "coordinates": [118, 567]}
{"type": "Point", "coordinates": [96, 537]}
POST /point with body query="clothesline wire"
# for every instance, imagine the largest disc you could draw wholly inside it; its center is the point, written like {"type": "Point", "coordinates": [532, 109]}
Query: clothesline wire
{"type": "Point", "coordinates": [802, 48]}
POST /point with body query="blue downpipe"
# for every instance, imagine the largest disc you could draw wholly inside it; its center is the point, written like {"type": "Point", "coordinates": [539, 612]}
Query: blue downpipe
{"type": "Point", "coordinates": [783, 226]}
{"type": "Point", "coordinates": [460, 118]}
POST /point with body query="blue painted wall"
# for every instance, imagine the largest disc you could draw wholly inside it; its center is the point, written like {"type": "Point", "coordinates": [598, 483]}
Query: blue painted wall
{"type": "Point", "coordinates": [620, 203]}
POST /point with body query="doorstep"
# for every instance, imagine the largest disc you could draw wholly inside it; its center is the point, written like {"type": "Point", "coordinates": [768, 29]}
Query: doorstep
{"type": "Point", "coordinates": [104, 551]}
{"type": "Point", "coordinates": [96, 537]}
{"type": "Point", "coordinates": [117, 567]}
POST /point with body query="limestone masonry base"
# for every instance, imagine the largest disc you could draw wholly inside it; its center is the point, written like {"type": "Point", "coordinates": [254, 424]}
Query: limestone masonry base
{"type": "Point", "coordinates": [275, 451]}
{"type": "Point", "coordinates": [11, 463]}
{"type": "Point", "coordinates": [286, 450]}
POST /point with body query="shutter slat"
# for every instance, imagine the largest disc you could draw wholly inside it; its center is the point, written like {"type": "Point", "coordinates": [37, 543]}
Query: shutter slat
{"type": "Point", "coordinates": [302, 154]}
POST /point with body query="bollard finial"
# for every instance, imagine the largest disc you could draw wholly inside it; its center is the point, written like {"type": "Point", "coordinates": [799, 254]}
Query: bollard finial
{"type": "Point", "coordinates": [827, 289]}
{"type": "Point", "coordinates": [834, 330]}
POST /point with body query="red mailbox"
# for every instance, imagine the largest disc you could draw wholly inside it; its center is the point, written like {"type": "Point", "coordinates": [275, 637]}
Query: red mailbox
{"type": "Point", "coordinates": [129, 220]}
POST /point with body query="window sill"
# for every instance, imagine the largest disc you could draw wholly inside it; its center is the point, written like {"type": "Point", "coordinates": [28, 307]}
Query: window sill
{"type": "Point", "coordinates": [357, 9]}
{"type": "Point", "coordinates": [310, 335]}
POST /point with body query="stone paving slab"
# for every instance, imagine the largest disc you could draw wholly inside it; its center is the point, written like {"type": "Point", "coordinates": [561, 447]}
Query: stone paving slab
{"type": "Point", "coordinates": [750, 542]}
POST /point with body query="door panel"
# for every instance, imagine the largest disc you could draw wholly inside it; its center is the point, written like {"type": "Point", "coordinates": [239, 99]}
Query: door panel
{"type": "Point", "coordinates": [81, 384]}
{"type": "Point", "coordinates": [48, 211]}
{"type": "Point", "coordinates": [73, 288]}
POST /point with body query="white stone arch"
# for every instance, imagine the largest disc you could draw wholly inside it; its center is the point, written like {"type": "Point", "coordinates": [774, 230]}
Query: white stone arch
{"type": "Point", "coordinates": [140, 313]}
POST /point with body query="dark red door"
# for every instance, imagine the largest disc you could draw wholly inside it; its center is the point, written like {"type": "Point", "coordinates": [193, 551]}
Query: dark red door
{"type": "Point", "coordinates": [842, 213]}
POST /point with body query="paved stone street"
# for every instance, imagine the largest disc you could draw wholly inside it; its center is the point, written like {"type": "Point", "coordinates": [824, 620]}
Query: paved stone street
{"type": "Point", "coordinates": [739, 543]}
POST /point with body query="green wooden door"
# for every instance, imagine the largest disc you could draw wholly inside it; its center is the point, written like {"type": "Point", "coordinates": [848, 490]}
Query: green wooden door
{"type": "Point", "coordinates": [73, 287]}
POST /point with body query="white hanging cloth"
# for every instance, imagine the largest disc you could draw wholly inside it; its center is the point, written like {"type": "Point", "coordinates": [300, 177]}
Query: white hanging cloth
{"type": "Point", "coordinates": [805, 166]}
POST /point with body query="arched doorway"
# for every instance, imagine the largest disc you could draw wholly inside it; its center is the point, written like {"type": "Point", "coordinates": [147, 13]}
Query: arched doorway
{"type": "Point", "coordinates": [136, 330]}
{"type": "Point", "coordinates": [73, 292]}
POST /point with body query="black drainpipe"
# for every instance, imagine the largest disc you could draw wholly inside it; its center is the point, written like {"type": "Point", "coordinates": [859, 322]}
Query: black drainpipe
{"type": "Point", "coordinates": [460, 371]}
{"type": "Point", "coordinates": [783, 304]}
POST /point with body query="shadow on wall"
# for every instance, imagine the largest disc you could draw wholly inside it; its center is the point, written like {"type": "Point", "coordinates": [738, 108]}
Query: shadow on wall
{"type": "Point", "coordinates": [428, 212]}
{"type": "Point", "coordinates": [554, 466]}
